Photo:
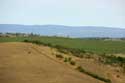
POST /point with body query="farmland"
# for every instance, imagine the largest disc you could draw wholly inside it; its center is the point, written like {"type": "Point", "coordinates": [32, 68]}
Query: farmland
{"type": "Point", "coordinates": [92, 45]}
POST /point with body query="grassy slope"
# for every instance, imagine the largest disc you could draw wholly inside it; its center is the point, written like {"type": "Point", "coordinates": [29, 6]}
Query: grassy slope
{"type": "Point", "coordinates": [98, 46]}
{"type": "Point", "coordinates": [29, 63]}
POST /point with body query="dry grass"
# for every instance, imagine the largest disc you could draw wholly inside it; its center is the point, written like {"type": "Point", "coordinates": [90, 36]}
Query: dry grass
{"type": "Point", "coordinates": [106, 71]}
{"type": "Point", "coordinates": [28, 63]}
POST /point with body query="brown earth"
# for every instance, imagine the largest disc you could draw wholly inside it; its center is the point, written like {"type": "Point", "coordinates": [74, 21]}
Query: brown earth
{"type": "Point", "coordinates": [28, 63]}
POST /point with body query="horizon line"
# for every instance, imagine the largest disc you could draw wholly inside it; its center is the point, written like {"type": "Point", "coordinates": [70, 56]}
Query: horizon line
{"type": "Point", "coordinates": [62, 25]}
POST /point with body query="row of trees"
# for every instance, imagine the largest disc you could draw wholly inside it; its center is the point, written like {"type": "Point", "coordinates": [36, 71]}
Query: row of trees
{"type": "Point", "coordinates": [17, 34]}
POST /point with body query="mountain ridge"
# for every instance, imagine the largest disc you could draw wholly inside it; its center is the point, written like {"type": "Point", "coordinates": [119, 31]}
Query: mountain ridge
{"type": "Point", "coordinates": [62, 30]}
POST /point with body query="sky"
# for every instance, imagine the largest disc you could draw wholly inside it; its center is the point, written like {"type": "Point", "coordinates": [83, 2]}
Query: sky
{"type": "Point", "coordinates": [108, 13]}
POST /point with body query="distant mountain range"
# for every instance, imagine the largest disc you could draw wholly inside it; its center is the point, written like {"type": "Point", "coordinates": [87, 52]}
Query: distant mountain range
{"type": "Point", "coordinates": [60, 30]}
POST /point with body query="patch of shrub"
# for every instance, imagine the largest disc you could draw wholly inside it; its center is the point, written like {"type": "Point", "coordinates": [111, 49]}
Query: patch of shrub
{"type": "Point", "coordinates": [65, 59]}
{"type": "Point", "coordinates": [80, 69]}
{"type": "Point", "coordinates": [59, 56]}
{"type": "Point", "coordinates": [26, 40]}
{"type": "Point", "coordinates": [37, 42]}
{"type": "Point", "coordinates": [72, 62]}
{"type": "Point", "coordinates": [88, 56]}
{"type": "Point", "coordinates": [111, 59]}
{"type": "Point", "coordinates": [75, 52]}
{"type": "Point", "coordinates": [69, 59]}
{"type": "Point", "coordinates": [62, 50]}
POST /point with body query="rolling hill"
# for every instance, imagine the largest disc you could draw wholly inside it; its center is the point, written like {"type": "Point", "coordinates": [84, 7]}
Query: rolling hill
{"type": "Point", "coordinates": [60, 30]}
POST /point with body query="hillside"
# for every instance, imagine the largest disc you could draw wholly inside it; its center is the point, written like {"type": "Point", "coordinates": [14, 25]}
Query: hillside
{"type": "Point", "coordinates": [60, 30]}
{"type": "Point", "coordinates": [28, 63]}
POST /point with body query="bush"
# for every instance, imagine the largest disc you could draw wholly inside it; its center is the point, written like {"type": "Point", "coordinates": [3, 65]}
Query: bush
{"type": "Point", "coordinates": [114, 60]}
{"type": "Point", "coordinates": [72, 62]}
{"type": "Point", "coordinates": [80, 69]}
{"type": "Point", "coordinates": [26, 40]}
{"type": "Point", "coordinates": [76, 52]}
{"type": "Point", "coordinates": [59, 56]}
{"type": "Point", "coordinates": [62, 50]}
{"type": "Point", "coordinates": [65, 59]}
{"type": "Point", "coordinates": [69, 59]}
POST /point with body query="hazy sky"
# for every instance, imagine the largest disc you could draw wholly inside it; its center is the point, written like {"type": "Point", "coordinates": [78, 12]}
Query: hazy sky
{"type": "Point", "coordinates": [109, 13]}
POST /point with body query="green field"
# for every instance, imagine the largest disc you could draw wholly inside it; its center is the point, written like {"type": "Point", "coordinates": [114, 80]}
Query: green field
{"type": "Point", "coordinates": [92, 45]}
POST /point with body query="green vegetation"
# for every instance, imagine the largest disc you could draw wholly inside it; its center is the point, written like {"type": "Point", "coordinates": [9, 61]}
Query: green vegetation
{"type": "Point", "coordinates": [85, 45]}
{"type": "Point", "coordinates": [77, 46]}
{"type": "Point", "coordinates": [80, 69]}
{"type": "Point", "coordinates": [59, 56]}
{"type": "Point", "coordinates": [12, 39]}
{"type": "Point", "coordinates": [72, 62]}
{"type": "Point", "coordinates": [112, 60]}
{"type": "Point", "coordinates": [106, 59]}
{"type": "Point", "coordinates": [65, 59]}
{"type": "Point", "coordinates": [69, 59]}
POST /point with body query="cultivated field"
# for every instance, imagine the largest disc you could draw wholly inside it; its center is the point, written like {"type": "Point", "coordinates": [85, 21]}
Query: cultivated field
{"type": "Point", "coordinates": [93, 45]}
